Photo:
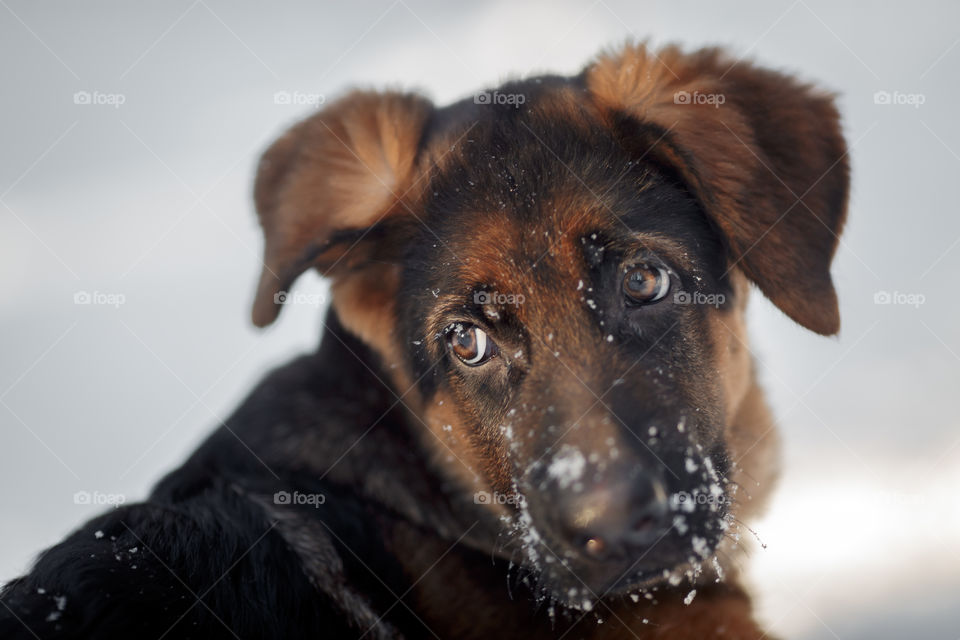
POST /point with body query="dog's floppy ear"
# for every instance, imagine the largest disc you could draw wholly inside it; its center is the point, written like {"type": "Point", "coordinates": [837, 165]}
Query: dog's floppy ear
{"type": "Point", "coordinates": [327, 181]}
{"type": "Point", "coordinates": [763, 153]}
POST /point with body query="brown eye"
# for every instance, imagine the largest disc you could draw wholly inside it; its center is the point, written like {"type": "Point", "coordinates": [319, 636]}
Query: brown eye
{"type": "Point", "coordinates": [645, 284]}
{"type": "Point", "coordinates": [471, 344]}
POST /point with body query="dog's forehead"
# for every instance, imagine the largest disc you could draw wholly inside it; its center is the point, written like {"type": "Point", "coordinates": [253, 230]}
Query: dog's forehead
{"type": "Point", "coordinates": [499, 244]}
{"type": "Point", "coordinates": [525, 201]}
{"type": "Point", "coordinates": [516, 191]}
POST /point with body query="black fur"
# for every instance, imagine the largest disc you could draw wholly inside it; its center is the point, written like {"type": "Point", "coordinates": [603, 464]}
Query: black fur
{"type": "Point", "coordinates": [210, 554]}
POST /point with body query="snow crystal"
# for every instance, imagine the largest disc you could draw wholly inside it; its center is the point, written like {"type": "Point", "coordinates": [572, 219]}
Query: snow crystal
{"type": "Point", "coordinates": [680, 523]}
{"type": "Point", "coordinates": [567, 466]}
{"type": "Point", "coordinates": [700, 546]}
{"type": "Point", "coordinates": [690, 597]}
{"type": "Point", "coordinates": [718, 569]}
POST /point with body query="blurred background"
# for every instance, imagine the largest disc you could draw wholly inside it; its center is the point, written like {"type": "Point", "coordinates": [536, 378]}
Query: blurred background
{"type": "Point", "coordinates": [129, 250]}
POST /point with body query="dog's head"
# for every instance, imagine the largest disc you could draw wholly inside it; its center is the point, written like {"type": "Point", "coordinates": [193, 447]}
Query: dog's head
{"type": "Point", "coordinates": [554, 278]}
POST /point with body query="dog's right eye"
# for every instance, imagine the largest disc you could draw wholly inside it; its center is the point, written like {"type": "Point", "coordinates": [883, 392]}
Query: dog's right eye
{"type": "Point", "coordinates": [471, 345]}
{"type": "Point", "coordinates": [645, 285]}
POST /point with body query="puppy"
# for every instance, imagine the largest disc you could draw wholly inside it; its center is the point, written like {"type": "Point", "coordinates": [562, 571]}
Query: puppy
{"type": "Point", "coordinates": [533, 411]}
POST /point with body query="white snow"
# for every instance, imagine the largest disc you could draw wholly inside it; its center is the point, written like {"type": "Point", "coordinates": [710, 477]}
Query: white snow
{"type": "Point", "coordinates": [567, 466]}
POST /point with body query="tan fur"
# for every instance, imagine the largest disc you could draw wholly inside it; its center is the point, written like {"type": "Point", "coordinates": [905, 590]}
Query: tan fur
{"type": "Point", "coordinates": [751, 438]}
{"type": "Point", "coordinates": [721, 612]}
{"type": "Point", "coordinates": [345, 168]}
{"type": "Point", "coordinates": [768, 167]}
{"type": "Point", "coordinates": [769, 163]}
{"type": "Point", "coordinates": [365, 304]}
{"type": "Point", "coordinates": [454, 450]}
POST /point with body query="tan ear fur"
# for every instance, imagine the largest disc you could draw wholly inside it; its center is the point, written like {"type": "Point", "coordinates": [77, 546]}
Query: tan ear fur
{"type": "Point", "coordinates": [763, 153]}
{"type": "Point", "coordinates": [325, 182]}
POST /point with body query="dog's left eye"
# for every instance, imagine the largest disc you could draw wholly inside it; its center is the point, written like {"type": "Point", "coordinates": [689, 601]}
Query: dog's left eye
{"type": "Point", "coordinates": [643, 284]}
{"type": "Point", "coordinates": [471, 345]}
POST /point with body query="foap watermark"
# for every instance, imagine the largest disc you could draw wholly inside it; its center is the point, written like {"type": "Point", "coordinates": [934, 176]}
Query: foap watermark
{"type": "Point", "coordinates": [496, 297]}
{"type": "Point", "coordinates": [293, 297]}
{"type": "Point", "coordinates": [99, 298]}
{"type": "Point", "coordinates": [684, 501]}
{"type": "Point", "coordinates": [486, 497]}
{"type": "Point", "coordinates": [297, 498]}
{"type": "Point", "coordinates": [697, 97]}
{"type": "Point", "coordinates": [715, 300]}
{"type": "Point", "coordinates": [299, 98]}
{"type": "Point", "coordinates": [899, 298]}
{"type": "Point", "coordinates": [99, 498]}
{"type": "Point", "coordinates": [114, 100]}
{"type": "Point", "coordinates": [495, 97]}
{"type": "Point", "coordinates": [899, 98]}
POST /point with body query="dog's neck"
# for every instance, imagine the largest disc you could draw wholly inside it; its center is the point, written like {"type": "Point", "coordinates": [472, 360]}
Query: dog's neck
{"type": "Point", "coordinates": [380, 455]}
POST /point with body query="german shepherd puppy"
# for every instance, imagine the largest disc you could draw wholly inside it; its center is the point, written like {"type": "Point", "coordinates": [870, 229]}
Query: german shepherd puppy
{"type": "Point", "coordinates": [533, 412]}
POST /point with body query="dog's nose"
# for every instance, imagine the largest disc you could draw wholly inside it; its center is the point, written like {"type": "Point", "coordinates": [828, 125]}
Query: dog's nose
{"type": "Point", "coordinates": [615, 519]}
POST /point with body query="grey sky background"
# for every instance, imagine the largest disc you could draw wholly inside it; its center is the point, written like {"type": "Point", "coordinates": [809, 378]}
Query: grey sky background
{"type": "Point", "coordinates": [150, 200]}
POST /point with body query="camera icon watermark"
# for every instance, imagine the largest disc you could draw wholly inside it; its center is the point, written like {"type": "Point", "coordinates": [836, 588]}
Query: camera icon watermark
{"type": "Point", "coordinates": [115, 100]}
{"type": "Point", "coordinates": [899, 298]}
{"type": "Point", "coordinates": [99, 498]}
{"type": "Point", "coordinates": [299, 98]}
{"type": "Point", "coordinates": [686, 501]}
{"type": "Point", "coordinates": [292, 297]}
{"type": "Point", "coordinates": [101, 298]}
{"type": "Point", "coordinates": [495, 97]}
{"type": "Point", "coordinates": [297, 498]}
{"type": "Point", "coordinates": [696, 97]}
{"type": "Point", "coordinates": [496, 297]}
{"type": "Point", "coordinates": [715, 300]}
{"type": "Point", "coordinates": [914, 100]}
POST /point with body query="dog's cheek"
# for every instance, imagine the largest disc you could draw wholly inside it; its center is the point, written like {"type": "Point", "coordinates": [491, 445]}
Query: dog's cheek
{"type": "Point", "coordinates": [750, 436]}
{"type": "Point", "coordinates": [731, 351]}
{"type": "Point", "coordinates": [459, 450]}
{"type": "Point", "coordinates": [365, 302]}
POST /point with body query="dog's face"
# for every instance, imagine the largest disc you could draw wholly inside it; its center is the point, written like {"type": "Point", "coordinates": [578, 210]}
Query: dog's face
{"type": "Point", "coordinates": [558, 324]}
{"type": "Point", "coordinates": [560, 288]}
